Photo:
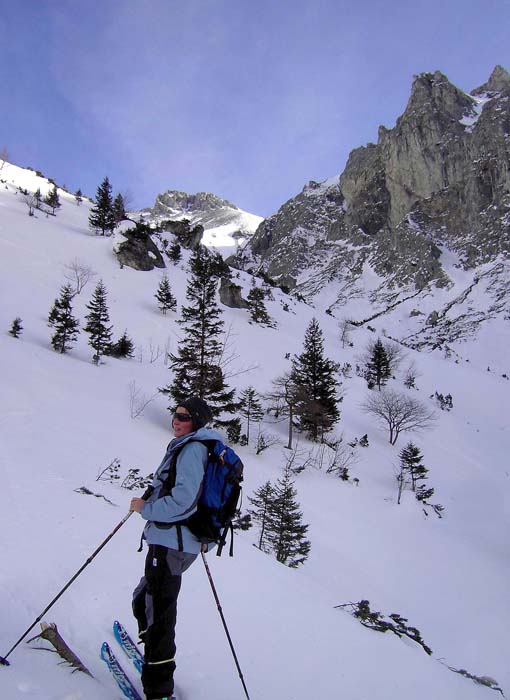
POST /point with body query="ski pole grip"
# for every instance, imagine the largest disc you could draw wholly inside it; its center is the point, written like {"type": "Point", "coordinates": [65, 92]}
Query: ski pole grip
{"type": "Point", "coordinates": [148, 493]}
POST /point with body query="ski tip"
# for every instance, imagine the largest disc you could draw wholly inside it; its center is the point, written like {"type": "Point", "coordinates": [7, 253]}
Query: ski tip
{"type": "Point", "coordinates": [4, 662]}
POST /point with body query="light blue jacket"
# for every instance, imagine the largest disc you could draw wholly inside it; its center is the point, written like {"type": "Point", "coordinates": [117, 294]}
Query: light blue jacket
{"type": "Point", "coordinates": [182, 502]}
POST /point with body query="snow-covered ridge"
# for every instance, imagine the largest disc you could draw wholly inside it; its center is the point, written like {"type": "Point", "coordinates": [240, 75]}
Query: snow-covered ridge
{"type": "Point", "coordinates": [226, 227]}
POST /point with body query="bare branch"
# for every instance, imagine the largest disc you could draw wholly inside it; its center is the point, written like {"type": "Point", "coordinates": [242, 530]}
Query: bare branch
{"type": "Point", "coordinates": [155, 352]}
{"type": "Point", "coordinates": [341, 457]}
{"type": "Point", "coordinates": [127, 197]}
{"type": "Point", "coordinates": [4, 157]}
{"type": "Point", "coordinates": [411, 374]}
{"type": "Point", "coordinates": [227, 356]}
{"type": "Point", "coordinates": [51, 634]}
{"type": "Point", "coordinates": [305, 459]}
{"type": "Point", "coordinates": [395, 354]}
{"type": "Point", "coordinates": [138, 402]}
{"type": "Point", "coordinates": [345, 327]}
{"type": "Point", "coordinates": [399, 412]}
{"type": "Point", "coordinates": [79, 274]}
{"type": "Point", "coordinates": [31, 201]}
{"type": "Point", "coordinates": [265, 440]}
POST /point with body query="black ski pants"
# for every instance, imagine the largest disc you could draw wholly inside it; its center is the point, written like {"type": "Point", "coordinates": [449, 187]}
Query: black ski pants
{"type": "Point", "coordinates": [155, 609]}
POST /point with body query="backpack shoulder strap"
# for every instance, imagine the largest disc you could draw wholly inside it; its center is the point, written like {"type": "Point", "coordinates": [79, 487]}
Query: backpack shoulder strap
{"type": "Point", "coordinates": [169, 482]}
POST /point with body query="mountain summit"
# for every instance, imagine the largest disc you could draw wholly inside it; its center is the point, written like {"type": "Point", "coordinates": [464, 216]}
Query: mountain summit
{"type": "Point", "coordinates": [431, 197]}
{"type": "Point", "coordinates": [440, 177]}
{"type": "Point", "coordinates": [224, 224]}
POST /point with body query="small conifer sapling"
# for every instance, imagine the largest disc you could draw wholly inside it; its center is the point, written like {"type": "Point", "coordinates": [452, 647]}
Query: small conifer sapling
{"type": "Point", "coordinates": [62, 320]}
{"type": "Point", "coordinates": [250, 408]}
{"type": "Point", "coordinates": [288, 536]}
{"type": "Point", "coordinates": [102, 215]}
{"type": "Point", "coordinates": [262, 513]}
{"type": "Point", "coordinates": [97, 326]}
{"type": "Point", "coordinates": [16, 328]}
{"type": "Point", "coordinates": [164, 297]}
{"type": "Point", "coordinates": [52, 199]}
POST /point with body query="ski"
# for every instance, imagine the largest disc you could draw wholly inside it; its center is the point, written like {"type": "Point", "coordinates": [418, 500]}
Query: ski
{"type": "Point", "coordinates": [125, 685]}
{"type": "Point", "coordinates": [130, 648]}
{"type": "Point", "coordinates": [127, 644]}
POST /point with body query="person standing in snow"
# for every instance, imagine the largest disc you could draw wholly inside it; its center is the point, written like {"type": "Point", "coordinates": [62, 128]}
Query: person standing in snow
{"type": "Point", "coordinates": [172, 547]}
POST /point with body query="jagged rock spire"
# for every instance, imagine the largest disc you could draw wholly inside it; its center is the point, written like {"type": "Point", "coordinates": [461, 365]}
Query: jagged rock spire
{"type": "Point", "coordinates": [499, 80]}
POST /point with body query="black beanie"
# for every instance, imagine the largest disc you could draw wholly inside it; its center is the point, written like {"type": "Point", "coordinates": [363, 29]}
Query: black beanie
{"type": "Point", "coordinates": [198, 410]}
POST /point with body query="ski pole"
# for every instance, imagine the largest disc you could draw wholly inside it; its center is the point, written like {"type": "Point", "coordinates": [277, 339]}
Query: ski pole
{"type": "Point", "coordinates": [224, 623]}
{"type": "Point", "coordinates": [3, 659]}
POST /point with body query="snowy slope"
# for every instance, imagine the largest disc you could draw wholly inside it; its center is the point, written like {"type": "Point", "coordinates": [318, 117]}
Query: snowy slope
{"type": "Point", "coordinates": [62, 420]}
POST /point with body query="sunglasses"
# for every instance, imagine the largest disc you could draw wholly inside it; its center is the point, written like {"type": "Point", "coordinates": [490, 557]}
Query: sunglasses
{"type": "Point", "coordinates": [182, 417]}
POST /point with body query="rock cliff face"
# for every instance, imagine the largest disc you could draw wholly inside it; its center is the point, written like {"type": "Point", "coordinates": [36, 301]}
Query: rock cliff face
{"type": "Point", "coordinates": [436, 185]}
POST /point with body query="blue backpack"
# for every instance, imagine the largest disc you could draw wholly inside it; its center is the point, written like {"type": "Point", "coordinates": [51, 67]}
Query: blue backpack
{"type": "Point", "coordinates": [219, 497]}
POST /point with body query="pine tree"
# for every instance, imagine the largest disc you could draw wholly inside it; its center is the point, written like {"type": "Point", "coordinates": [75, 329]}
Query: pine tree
{"type": "Point", "coordinates": [262, 513]}
{"type": "Point", "coordinates": [124, 347]}
{"type": "Point", "coordinates": [119, 208]}
{"type": "Point", "coordinates": [78, 196]}
{"type": "Point", "coordinates": [16, 328]}
{"type": "Point", "coordinates": [102, 217]}
{"type": "Point", "coordinates": [175, 252]}
{"type": "Point", "coordinates": [53, 315]}
{"type": "Point", "coordinates": [314, 377]}
{"type": "Point", "coordinates": [412, 471]}
{"type": "Point", "coordinates": [97, 323]}
{"type": "Point", "coordinates": [165, 298]}
{"type": "Point", "coordinates": [62, 319]}
{"type": "Point", "coordinates": [287, 535]}
{"type": "Point", "coordinates": [196, 365]}
{"type": "Point", "coordinates": [250, 408]}
{"type": "Point", "coordinates": [234, 430]}
{"type": "Point", "coordinates": [52, 199]}
{"type": "Point", "coordinates": [378, 364]}
{"type": "Point", "coordinates": [257, 308]}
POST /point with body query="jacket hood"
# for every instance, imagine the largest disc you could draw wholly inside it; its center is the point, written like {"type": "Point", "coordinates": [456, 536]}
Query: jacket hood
{"type": "Point", "coordinates": [200, 434]}
{"type": "Point", "coordinates": [205, 434]}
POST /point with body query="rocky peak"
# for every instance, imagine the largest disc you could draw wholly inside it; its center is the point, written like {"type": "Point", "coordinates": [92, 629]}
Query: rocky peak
{"type": "Point", "coordinates": [438, 181]}
{"type": "Point", "coordinates": [203, 202]}
{"type": "Point", "coordinates": [423, 154]}
{"type": "Point", "coordinates": [432, 93]}
{"type": "Point", "coordinates": [498, 82]}
{"type": "Point", "coordinates": [222, 223]}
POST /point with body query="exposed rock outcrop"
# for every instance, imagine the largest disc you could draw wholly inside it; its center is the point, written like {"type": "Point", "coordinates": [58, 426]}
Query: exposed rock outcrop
{"type": "Point", "coordinates": [439, 180]}
{"type": "Point", "coordinates": [230, 295]}
{"type": "Point", "coordinates": [188, 235]}
{"type": "Point", "coordinates": [135, 248]}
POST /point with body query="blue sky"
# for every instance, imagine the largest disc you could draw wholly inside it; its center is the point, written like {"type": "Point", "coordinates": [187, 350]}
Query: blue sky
{"type": "Point", "coordinates": [248, 100]}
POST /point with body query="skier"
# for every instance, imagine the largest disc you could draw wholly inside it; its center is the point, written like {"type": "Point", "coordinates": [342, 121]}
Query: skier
{"type": "Point", "coordinates": [172, 547]}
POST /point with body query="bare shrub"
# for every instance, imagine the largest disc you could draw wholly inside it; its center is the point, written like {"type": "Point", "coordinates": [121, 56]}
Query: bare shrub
{"type": "Point", "coordinates": [31, 201]}
{"type": "Point", "coordinates": [398, 412]}
{"type": "Point", "coordinates": [264, 441]}
{"type": "Point", "coordinates": [78, 274]}
{"type": "Point", "coordinates": [138, 401]}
